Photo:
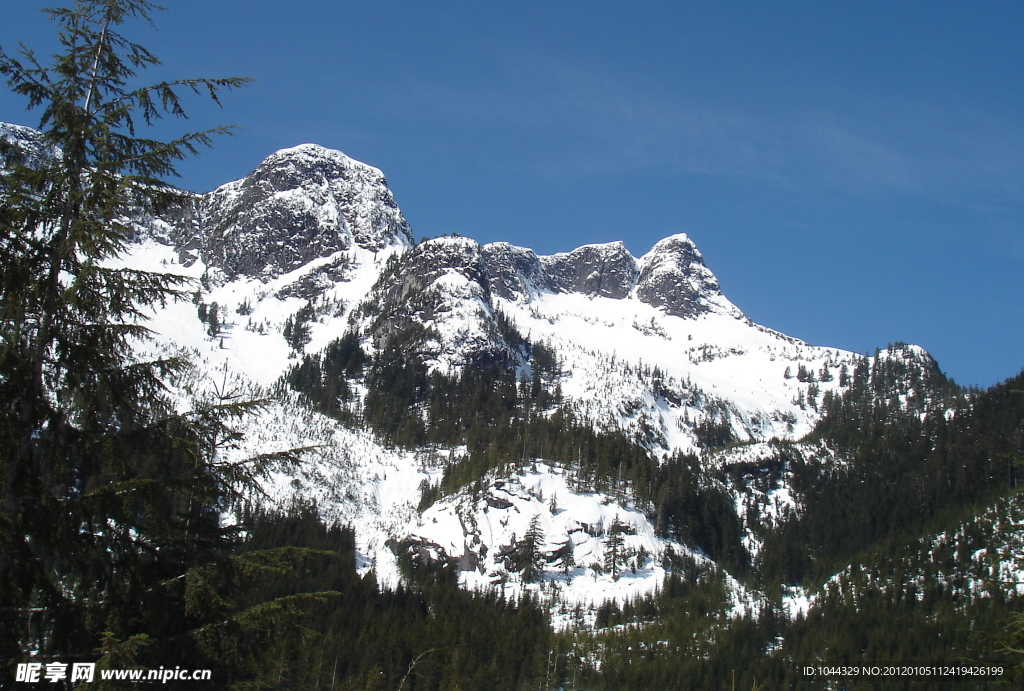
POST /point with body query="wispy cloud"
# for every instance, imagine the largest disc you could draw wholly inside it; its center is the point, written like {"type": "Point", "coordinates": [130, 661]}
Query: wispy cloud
{"type": "Point", "coordinates": [580, 120]}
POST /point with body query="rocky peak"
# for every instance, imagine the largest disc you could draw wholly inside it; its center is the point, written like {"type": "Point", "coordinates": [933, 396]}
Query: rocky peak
{"type": "Point", "coordinates": [514, 273]}
{"type": "Point", "coordinates": [673, 277]}
{"type": "Point", "coordinates": [606, 270]}
{"type": "Point", "coordinates": [299, 204]}
{"type": "Point", "coordinates": [432, 260]}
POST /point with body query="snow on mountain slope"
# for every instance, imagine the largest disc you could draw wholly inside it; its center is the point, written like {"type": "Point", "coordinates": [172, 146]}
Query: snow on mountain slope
{"type": "Point", "coordinates": [626, 365]}
{"type": "Point", "coordinates": [252, 312]}
{"type": "Point", "coordinates": [28, 142]}
{"type": "Point", "coordinates": [650, 347]}
{"type": "Point", "coordinates": [714, 368]}
{"type": "Point", "coordinates": [481, 534]}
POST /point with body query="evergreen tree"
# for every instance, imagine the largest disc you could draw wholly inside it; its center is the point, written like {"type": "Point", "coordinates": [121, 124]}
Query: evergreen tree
{"type": "Point", "coordinates": [104, 490]}
{"type": "Point", "coordinates": [296, 328]}
{"type": "Point", "coordinates": [566, 558]}
{"type": "Point", "coordinates": [614, 552]}
{"type": "Point", "coordinates": [213, 320]}
{"type": "Point", "coordinates": [530, 556]}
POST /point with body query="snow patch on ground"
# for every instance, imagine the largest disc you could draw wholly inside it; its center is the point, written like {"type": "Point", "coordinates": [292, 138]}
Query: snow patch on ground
{"type": "Point", "coordinates": [478, 533]}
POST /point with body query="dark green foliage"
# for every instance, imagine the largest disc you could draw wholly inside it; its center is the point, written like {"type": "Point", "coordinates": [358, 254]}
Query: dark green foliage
{"type": "Point", "coordinates": [803, 374]}
{"type": "Point", "coordinates": [884, 611]}
{"type": "Point", "coordinates": [428, 495]}
{"type": "Point", "coordinates": [683, 638]}
{"type": "Point", "coordinates": [545, 359]}
{"type": "Point", "coordinates": [397, 390]}
{"type": "Point", "coordinates": [296, 328]}
{"type": "Point", "coordinates": [678, 638]}
{"type": "Point", "coordinates": [213, 320]}
{"type": "Point", "coordinates": [323, 378]}
{"type": "Point", "coordinates": [693, 507]}
{"type": "Point", "coordinates": [713, 433]}
{"type": "Point", "coordinates": [529, 558]}
{"type": "Point", "coordinates": [614, 556]}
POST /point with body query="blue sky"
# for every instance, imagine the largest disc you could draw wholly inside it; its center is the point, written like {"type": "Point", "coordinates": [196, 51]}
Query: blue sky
{"type": "Point", "coordinates": [852, 171]}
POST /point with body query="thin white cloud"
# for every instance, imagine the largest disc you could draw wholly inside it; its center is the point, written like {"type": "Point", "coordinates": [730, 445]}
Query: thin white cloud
{"type": "Point", "coordinates": [582, 120]}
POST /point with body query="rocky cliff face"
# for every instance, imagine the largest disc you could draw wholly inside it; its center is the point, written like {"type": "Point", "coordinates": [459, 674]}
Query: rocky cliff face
{"type": "Point", "coordinates": [672, 276]}
{"type": "Point", "coordinates": [595, 270]}
{"type": "Point", "coordinates": [309, 202]}
{"type": "Point", "coordinates": [300, 204]}
{"type": "Point", "coordinates": [450, 291]}
{"type": "Point", "coordinates": [675, 279]}
{"type": "Point", "coordinates": [435, 302]}
{"type": "Point", "coordinates": [514, 273]}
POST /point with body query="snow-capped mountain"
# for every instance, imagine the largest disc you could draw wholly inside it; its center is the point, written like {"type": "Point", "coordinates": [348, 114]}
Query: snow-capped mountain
{"type": "Point", "coordinates": [649, 342]}
{"type": "Point", "coordinates": [311, 247]}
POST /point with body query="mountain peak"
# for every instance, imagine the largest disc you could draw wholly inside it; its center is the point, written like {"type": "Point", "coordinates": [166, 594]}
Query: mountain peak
{"type": "Point", "coordinates": [300, 204]}
{"type": "Point", "coordinates": [673, 277]}
{"type": "Point", "coordinates": [677, 241]}
{"type": "Point", "coordinates": [309, 155]}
